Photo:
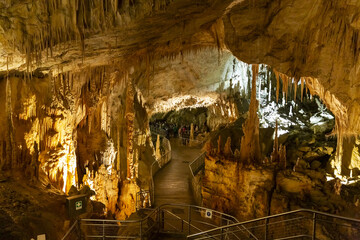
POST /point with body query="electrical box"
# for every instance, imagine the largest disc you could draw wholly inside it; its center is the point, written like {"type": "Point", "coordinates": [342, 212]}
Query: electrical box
{"type": "Point", "coordinates": [76, 205]}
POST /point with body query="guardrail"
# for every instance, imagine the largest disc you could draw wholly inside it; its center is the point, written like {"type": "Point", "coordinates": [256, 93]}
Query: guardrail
{"type": "Point", "coordinates": [298, 224]}
{"type": "Point", "coordinates": [168, 218]}
{"type": "Point", "coordinates": [198, 164]}
{"type": "Point", "coordinates": [143, 199]}
{"type": "Point", "coordinates": [201, 223]}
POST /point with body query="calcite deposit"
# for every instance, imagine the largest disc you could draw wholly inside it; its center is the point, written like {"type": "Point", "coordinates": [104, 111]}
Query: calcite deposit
{"type": "Point", "coordinates": [79, 81]}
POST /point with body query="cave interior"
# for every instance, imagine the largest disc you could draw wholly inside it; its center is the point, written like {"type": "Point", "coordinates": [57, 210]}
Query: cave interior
{"type": "Point", "coordinates": [94, 92]}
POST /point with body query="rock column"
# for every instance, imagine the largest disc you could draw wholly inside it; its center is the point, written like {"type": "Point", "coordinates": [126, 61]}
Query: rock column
{"type": "Point", "coordinates": [250, 147]}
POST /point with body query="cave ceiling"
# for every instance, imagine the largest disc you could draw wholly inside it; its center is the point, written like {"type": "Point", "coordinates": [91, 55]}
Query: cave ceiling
{"type": "Point", "coordinates": [318, 39]}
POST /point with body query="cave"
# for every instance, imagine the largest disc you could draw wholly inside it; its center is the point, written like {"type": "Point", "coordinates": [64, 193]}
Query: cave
{"type": "Point", "coordinates": [179, 119]}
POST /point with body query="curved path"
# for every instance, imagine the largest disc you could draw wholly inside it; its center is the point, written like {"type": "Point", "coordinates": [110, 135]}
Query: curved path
{"type": "Point", "coordinates": [172, 182]}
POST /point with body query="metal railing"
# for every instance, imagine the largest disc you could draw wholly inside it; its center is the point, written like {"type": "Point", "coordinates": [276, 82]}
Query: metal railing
{"type": "Point", "coordinates": [155, 166]}
{"type": "Point", "coordinates": [168, 218]}
{"type": "Point", "coordinates": [143, 199]}
{"type": "Point", "coordinates": [191, 142]}
{"type": "Point", "coordinates": [198, 164]}
{"type": "Point", "coordinates": [298, 224]}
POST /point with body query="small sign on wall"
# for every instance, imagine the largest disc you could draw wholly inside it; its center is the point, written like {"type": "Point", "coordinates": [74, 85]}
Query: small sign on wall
{"type": "Point", "coordinates": [78, 205]}
{"type": "Point", "coordinates": [208, 213]}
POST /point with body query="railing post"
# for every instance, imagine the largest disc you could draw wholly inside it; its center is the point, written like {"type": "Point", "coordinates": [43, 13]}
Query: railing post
{"type": "Point", "coordinates": [141, 230]}
{"type": "Point", "coordinates": [103, 230]}
{"type": "Point", "coordinates": [266, 228]}
{"type": "Point", "coordinates": [314, 227]}
{"type": "Point", "coordinates": [162, 220]}
{"type": "Point", "coordinates": [189, 220]}
{"type": "Point", "coordinates": [79, 226]}
{"type": "Point", "coordinates": [158, 219]}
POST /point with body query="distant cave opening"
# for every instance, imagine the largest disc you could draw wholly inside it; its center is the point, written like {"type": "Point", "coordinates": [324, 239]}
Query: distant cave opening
{"type": "Point", "coordinates": [304, 124]}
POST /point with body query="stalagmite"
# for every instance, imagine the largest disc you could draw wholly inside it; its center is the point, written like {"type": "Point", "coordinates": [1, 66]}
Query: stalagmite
{"type": "Point", "coordinates": [130, 115]}
{"type": "Point", "coordinates": [219, 145]}
{"type": "Point", "coordinates": [269, 93]}
{"type": "Point", "coordinates": [250, 147]}
{"type": "Point", "coordinates": [118, 149]}
{"type": "Point", "coordinates": [282, 156]}
{"type": "Point", "coordinates": [191, 142]}
{"type": "Point", "coordinates": [227, 148]}
{"type": "Point", "coordinates": [157, 149]}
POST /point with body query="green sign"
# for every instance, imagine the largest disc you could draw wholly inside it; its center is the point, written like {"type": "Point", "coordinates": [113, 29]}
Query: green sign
{"type": "Point", "coordinates": [78, 205]}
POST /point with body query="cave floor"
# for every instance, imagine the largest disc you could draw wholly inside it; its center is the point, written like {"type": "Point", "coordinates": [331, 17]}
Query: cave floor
{"type": "Point", "coordinates": [172, 182]}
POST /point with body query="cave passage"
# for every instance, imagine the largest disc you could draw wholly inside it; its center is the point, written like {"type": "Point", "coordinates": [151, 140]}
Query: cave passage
{"type": "Point", "coordinates": [269, 88]}
{"type": "Point", "coordinates": [172, 183]}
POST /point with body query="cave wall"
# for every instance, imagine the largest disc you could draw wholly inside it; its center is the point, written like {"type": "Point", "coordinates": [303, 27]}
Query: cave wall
{"type": "Point", "coordinates": [72, 128]}
{"type": "Point", "coordinates": [317, 39]}
{"type": "Point", "coordinates": [249, 192]}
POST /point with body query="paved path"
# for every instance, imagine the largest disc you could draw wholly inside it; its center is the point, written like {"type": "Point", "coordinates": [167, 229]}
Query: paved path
{"type": "Point", "coordinates": [172, 183]}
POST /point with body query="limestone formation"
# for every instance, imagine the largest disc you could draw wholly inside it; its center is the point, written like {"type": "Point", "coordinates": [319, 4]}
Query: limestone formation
{"type": "Point", "coordinates": [227, 148]}
{"type": "Point", "coordinates": [79, 81]}
{"type": "Point", "coordinates": [250, 148]}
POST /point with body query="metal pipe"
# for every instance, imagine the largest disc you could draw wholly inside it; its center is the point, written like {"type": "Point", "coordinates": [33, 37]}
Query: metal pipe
{"type": "Point", "coordinates": [314, 227]}
{"type": "Point", "coordinates": [141, 237]}
{"type": "Point", "coordinates": [266, 228]}
{"type": "Point", "coordinates": [189, 220]}
{"type": "Point", "coordinates": [103, 230]}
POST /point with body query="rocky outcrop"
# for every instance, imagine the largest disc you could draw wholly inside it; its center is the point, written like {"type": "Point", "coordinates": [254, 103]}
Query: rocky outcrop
{"type": "Point", "coordinates": [70, 127]}
{"type": "Point", "coordinates": [240, 191]}
{"type": "Point", "coordinates": [317, 39]}
{"type": "Point", "coordinates": [252, 192]}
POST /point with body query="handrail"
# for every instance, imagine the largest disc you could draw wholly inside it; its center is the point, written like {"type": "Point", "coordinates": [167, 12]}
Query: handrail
{"type": "Point", "coordinates": [274, 216]}
{"type": "Point", "coordinates": [195, 161]}
{"type": "Point", "coordinates": [207, 233]}
{"type": "Point", "coordinates": [70, 230]}
{"type": "Point", "coordinates": [107, 222]}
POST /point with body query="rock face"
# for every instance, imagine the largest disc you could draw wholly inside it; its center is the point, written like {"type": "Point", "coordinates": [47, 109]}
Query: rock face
{"type": "Point", "coordinates": [309, 38]}
{"type": "Point", "coordinates": [243, 193]}
{"type": "Point", "coordinates": [79, 78]}
{"type": "Point", "coordinates": [318, 42]}
{"type": "Point", "coordinates": [71, 128]}
{"type": "Point", "coordinates": [252, 192]}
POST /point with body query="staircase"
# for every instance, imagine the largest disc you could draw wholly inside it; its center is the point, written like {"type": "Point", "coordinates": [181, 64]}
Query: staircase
{"type": "Point", "coordinates": [298, 224]}
{"type": "Point", "coordinates": [177, 221]}
{"type": "Point", "coordinates": [168, 221]}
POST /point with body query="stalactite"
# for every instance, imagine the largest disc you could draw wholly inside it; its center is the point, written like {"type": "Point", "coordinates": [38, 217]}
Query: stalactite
{"type": "Point", "coordinates": [275, 154]}
{"type": "Point", "coordinates": [277, 85]}
{"type": "Point", "coordinates": [302, 87]}
{"type": "Point", "coordinates": [10, 146]}
{"type": "Point", "coordinates": [259, 92]}
{"type": "Point", "coordinates": [130, 115]}
{"type": "Point", "coordinates": [269, 87]}
{"type": "Point", "coordinates": [295, 88]}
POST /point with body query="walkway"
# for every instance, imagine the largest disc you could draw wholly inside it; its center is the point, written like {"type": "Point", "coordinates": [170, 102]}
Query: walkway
{"type": "Point", "coordinates": [172, 183]}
